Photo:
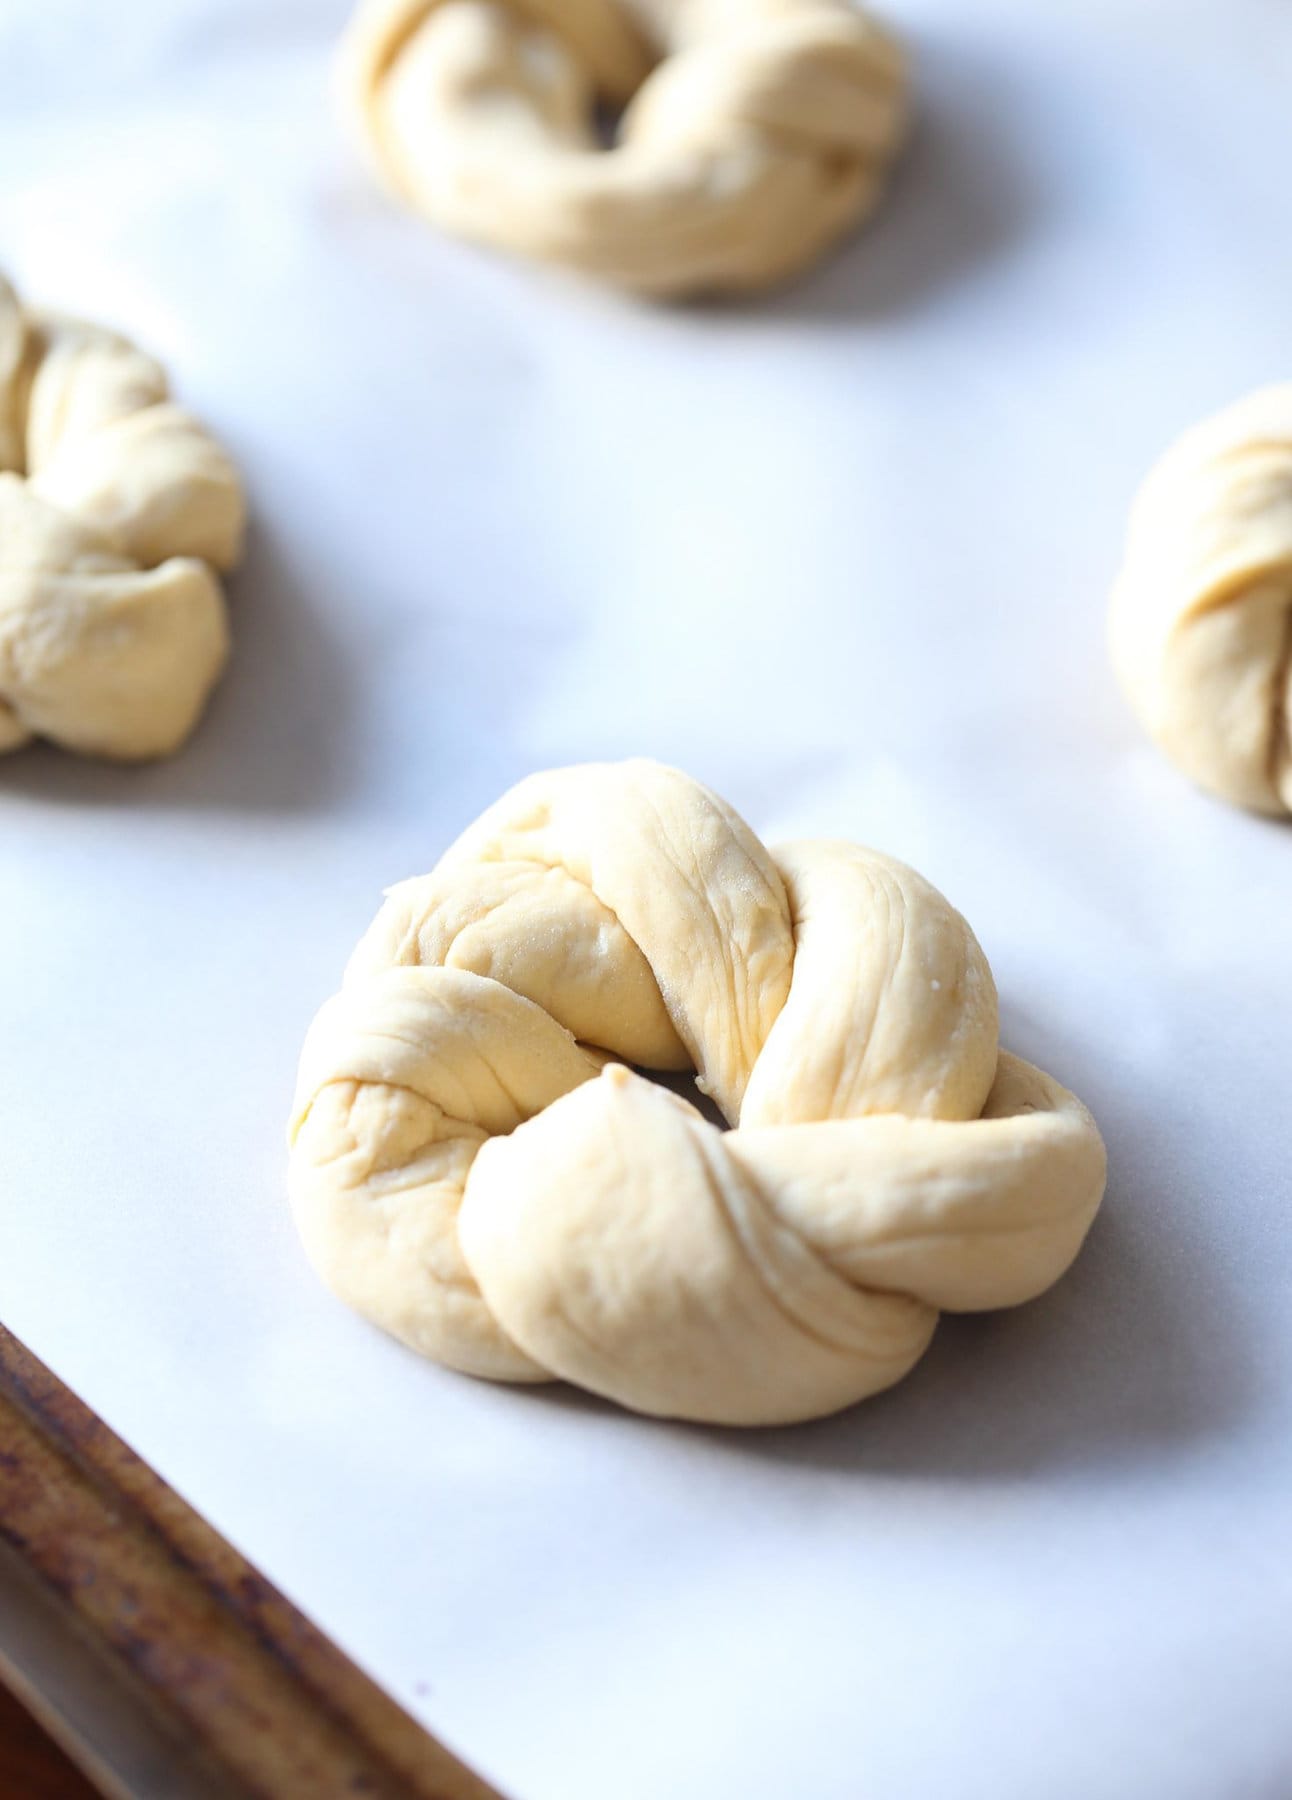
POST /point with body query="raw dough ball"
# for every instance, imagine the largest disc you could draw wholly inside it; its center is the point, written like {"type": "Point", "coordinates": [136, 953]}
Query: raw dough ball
{"type": "Point", "coordinates": [470, 1170]}
{"type": "Point", "coordinates": [756, 132]}
{"type": "Point", "coordinates": [1202, 609]}
{"type": "Point", "coordinates": [116, 509]}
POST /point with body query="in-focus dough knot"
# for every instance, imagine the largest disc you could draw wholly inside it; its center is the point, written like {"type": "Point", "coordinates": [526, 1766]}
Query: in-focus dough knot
{"type": "Point", "coordinates": [471, 1171]}
{"type": "Point", "coordinates": [116, 511]}
{"type": "Point", "coordinates": [1202, 609]}
{"type": "Point", "coordinates": [756, 132]}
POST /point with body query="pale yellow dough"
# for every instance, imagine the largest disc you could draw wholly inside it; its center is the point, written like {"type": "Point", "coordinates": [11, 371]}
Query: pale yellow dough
{"type": "Point", "coordinates": [756, 132]}
{"type": "Point", "coordinates": [471, 1171]}
{"type": "Point", "coordinates": [1202, 610]}
{"type": "Point", "coordinates": [116, 511]}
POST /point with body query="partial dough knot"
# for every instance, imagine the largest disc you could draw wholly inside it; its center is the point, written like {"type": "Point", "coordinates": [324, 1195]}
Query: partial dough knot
{"type": "Point", "coordinates": [756, 131]}
{"type": "Point", "coordinates": [1202, 608]}
{"type": "Point", "coordinates": [116, 508]}
{"type": "Point", "coordinates": [471, 1171]}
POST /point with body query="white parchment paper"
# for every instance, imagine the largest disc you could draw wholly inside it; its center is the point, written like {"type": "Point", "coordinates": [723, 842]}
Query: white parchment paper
{"type": "Point", "coordinates": [844, 555]}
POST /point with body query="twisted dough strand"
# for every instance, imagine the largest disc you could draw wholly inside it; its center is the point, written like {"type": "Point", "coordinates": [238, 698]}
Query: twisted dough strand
{"type": "Point", "coordinates": [517, 1205]}
{"type": "Point", "coordinates": [1201, 617]}
{"type": "Point", "coordinates": [756, 131]}
{"type": "Point", "coordinates": [116, 511]}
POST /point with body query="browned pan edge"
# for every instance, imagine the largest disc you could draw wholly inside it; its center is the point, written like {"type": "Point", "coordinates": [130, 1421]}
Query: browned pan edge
{"type": "Point", "coordinates": [258, 1700]}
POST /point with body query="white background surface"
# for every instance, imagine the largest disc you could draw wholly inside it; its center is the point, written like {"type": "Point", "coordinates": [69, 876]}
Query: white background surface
{"type": "Point", "coordinates": [844, 555]}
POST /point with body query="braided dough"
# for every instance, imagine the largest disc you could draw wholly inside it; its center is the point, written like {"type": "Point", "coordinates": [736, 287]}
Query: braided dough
{"type": "Point", "coordinates": [116, 509]}
{"type": "Point", "coordinates": [471, 1171]}
{"type": "Point", "coordinates": [1202, 608]}
{"type": "Point", "coordinates": [756, 132]}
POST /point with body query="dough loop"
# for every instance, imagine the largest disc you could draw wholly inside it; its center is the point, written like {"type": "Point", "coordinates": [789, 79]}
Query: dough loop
{"type": "Point", "coordinates": [510, 1202]}
{"type": "Point", "coordinates": [1202, 609]}
{"type": "Point", "coordinates": [755, 132]}
{"type": "Point", "coordinates": [116, 509]}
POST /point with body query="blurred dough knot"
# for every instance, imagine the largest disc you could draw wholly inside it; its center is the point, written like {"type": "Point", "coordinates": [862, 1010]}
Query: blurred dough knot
{"type": "Point", "coordinates": [472, 1171]}
{"type": "Point", "coordinates": [1202, 609]}
{"type": "Point", "coordinates": [754, 132]}
{"type": "Point", "coordinates": [116, 509]}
